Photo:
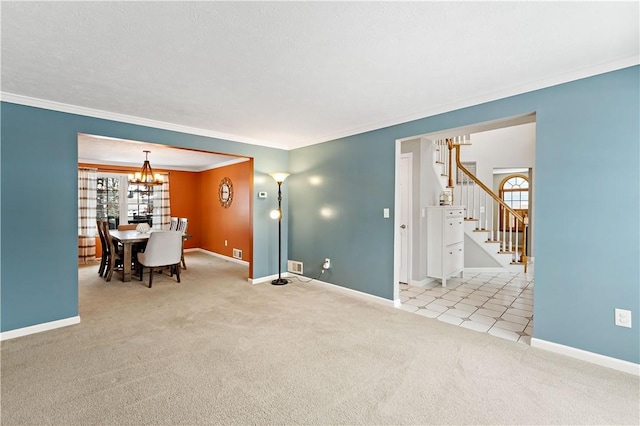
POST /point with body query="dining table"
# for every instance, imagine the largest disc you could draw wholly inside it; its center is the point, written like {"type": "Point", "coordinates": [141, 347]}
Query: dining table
{"type": "Point", "coordinates": [128, 239]}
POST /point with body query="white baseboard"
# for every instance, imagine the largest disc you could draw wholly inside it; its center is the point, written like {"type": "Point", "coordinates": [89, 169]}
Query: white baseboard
{"type": "Point", "coordinates": [45, 326]}
{"type": "Point", "coordinates": [421, 283]}
{"type": "Point", "coordinates": [594, 358]}
{"type": "Point", "coordinates": [221, 256]}
{"type": "Point", "coordinates": [267, 278]}
{"type": "Point", "coordinates": [353, 293]}
{"type": "Point", "coordinates": [333, 287]}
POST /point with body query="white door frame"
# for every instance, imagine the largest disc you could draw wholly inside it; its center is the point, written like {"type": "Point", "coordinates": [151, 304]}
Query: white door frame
{"type": "Point", "coordinates": [397, 223]}
{"type": "Point", "coordinates": [407, 176]}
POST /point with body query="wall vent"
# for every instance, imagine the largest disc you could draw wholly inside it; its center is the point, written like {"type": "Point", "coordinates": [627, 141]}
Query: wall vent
{"type": "Point", "coordinates": [294, 267]}
{"type": "Point", "coordinates": [237, 253]}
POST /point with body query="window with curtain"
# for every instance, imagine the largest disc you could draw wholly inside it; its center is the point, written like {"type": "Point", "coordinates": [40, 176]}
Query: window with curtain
{"type": "Point", "coordinates": [87, 230]}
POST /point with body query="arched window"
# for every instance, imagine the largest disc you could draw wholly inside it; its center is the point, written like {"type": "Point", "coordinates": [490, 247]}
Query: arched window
{"type": "Point", "coordinates": [514, 191]}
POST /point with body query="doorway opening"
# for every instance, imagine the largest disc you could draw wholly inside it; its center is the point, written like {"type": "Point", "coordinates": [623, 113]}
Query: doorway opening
{"type": "Point", "coordinates": [494, 294]}
{"type": "Point", "coordinates": [194, 179]}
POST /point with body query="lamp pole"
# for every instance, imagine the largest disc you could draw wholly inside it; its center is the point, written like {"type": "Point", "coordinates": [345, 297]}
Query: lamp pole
{"type": "Point", "coordinates": [279, 178]}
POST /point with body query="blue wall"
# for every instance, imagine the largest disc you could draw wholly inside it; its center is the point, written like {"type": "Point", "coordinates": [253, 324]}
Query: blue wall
{"type": "Point", "coordinates": [587, 164]}
{"type": "Point", "coordinates": [39, 275]}
{"type": "Point", "coordinates": [587, 207]}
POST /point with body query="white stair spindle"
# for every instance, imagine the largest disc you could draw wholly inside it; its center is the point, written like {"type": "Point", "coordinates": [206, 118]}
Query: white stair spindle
{"type": "Point", "coordinates": [445, 157]}
{"type": "Point", "coordinates": [516, 252]}
{"type": "Point", "coordinates": [473, 199]}
{"type": "Point", "coordinates": [496, 224]}
{"type": "Point", "coordinates": [479, 212]}
{"type": "Point", "coordinates": [486, 212]}
{"type": "Point", "coordinates": [491, 220]}
{"type": "Point", "coordinates": [466, 179]}
{"type": "Point", "coordinates": [511, 218]}
{"type": "Point", "coordinates": [504, 229]}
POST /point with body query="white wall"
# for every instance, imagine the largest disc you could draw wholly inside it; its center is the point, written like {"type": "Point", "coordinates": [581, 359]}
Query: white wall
{"type": "Point", "coordinates": [509, 147]}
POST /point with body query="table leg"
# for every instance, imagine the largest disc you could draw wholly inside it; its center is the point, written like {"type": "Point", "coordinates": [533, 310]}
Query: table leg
{"type": "Point", "coordinates": [126, 267]}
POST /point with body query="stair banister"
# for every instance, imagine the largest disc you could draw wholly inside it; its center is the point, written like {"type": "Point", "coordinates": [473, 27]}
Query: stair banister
{"type": "Point", "coordinates": [451, 146]}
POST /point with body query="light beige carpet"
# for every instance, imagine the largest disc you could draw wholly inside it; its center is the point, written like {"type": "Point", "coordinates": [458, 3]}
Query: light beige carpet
{"type": "Point", "coordinates": [217, 350]}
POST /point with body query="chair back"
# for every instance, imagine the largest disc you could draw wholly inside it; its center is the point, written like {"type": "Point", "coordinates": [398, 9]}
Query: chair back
{"type": "Point", "coordinates": [174, 224]}
{"type": "Point", "coordinates": [182, 225]}
{"type": "Point", "coordinates": [110, 247]}
{"type": "Point", "coordinates": [129, 227]}
{"type": "Point", "coordinates": [103, 241]}
{"type": "Point", "coordinates": [163, 248]}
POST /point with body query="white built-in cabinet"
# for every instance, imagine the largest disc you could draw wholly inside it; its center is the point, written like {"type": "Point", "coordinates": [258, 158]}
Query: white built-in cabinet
{"type": "Point", "coordinates": [445, 242]}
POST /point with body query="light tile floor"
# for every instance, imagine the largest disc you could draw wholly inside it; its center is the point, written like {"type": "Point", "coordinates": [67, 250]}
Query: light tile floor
{"type": "Point", "coordinates": [500, 304]}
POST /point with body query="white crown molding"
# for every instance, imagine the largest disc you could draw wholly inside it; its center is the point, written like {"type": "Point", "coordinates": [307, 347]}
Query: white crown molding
{"type": "Point", "coordinates": [578, 74]}
{"type": "Point", "coordinates": [511, 91]}
{"type": "Point", "coordinates": [89, 112]}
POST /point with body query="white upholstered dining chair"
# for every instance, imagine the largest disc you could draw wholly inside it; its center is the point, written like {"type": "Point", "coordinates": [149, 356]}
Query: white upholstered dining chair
{"type": "Point", "coordinates": [164, 249]}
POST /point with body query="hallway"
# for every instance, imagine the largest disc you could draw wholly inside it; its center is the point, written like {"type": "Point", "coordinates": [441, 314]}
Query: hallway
{"type": "Point", "coordinates": [500, 304]}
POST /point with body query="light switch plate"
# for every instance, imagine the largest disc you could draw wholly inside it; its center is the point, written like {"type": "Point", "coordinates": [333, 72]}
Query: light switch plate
{"type": "Point", "coordinates": [385, 213]}
{"type": "Point", "coordinates": [262, 194]}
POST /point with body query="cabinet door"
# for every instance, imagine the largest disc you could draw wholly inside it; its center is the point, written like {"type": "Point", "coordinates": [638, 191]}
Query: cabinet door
{"type": "Point", "coordinates": [453, 258]}
{"type": "Point", "coordinates": [453, 230]}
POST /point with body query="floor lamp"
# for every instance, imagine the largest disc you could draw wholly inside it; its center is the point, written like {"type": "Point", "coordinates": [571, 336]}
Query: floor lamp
{"type": "Point", "coordinates": [277, 214]}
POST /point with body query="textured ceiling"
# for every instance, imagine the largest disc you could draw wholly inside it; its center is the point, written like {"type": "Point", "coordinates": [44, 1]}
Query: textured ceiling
{"type": "Point", "coordinates": [120, 152]}
{"type": "Point", "coordinates": [290, 74]}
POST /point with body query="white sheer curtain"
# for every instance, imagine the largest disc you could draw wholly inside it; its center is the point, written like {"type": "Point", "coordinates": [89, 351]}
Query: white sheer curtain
{"type": "Point", "coordinates": [161, 205]}
{"type": "Point", "coordinates": [87, 179]}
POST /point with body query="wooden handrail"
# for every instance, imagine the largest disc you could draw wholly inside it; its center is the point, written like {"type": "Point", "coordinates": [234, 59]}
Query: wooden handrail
{"type": "Point", "coordinates": [525, 222]}
{"type": "Point", "coordinates": [456, 146]}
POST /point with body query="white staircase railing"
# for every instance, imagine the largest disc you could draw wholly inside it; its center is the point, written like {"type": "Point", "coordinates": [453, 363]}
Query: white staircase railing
{"type": "Point", "coordinates": [482, 205]}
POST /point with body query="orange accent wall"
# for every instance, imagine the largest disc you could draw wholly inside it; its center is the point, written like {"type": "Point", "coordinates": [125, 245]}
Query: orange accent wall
{"type": "Point", "coordinates": [234, 223]}
{"type": "Point", "coordinates": [183, 191]}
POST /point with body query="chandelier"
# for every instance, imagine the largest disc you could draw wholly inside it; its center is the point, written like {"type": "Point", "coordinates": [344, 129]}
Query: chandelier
{"type": "Point", "coordinates": [145, 176]}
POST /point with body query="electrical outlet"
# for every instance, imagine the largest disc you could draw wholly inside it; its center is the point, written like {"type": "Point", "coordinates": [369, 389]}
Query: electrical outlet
{"type": "Point", "coordinates": [623, 318]}
{"type": "Point", "coordinates": [327, 264]}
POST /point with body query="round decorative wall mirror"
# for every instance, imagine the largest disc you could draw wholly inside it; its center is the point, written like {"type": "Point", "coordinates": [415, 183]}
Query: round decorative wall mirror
{"type": "Point", "coordinates": [225, 192]}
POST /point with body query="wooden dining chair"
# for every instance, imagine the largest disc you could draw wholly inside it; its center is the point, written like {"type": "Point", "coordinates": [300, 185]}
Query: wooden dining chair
{"type": "Point", "coordinates": [103, 245]}
{"type": "Point", "coordinates": [127, 227]}
{"type": "Point", "coordinates": [164, 250]}
{"type": "Point", "coordinates": [114, 255]}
